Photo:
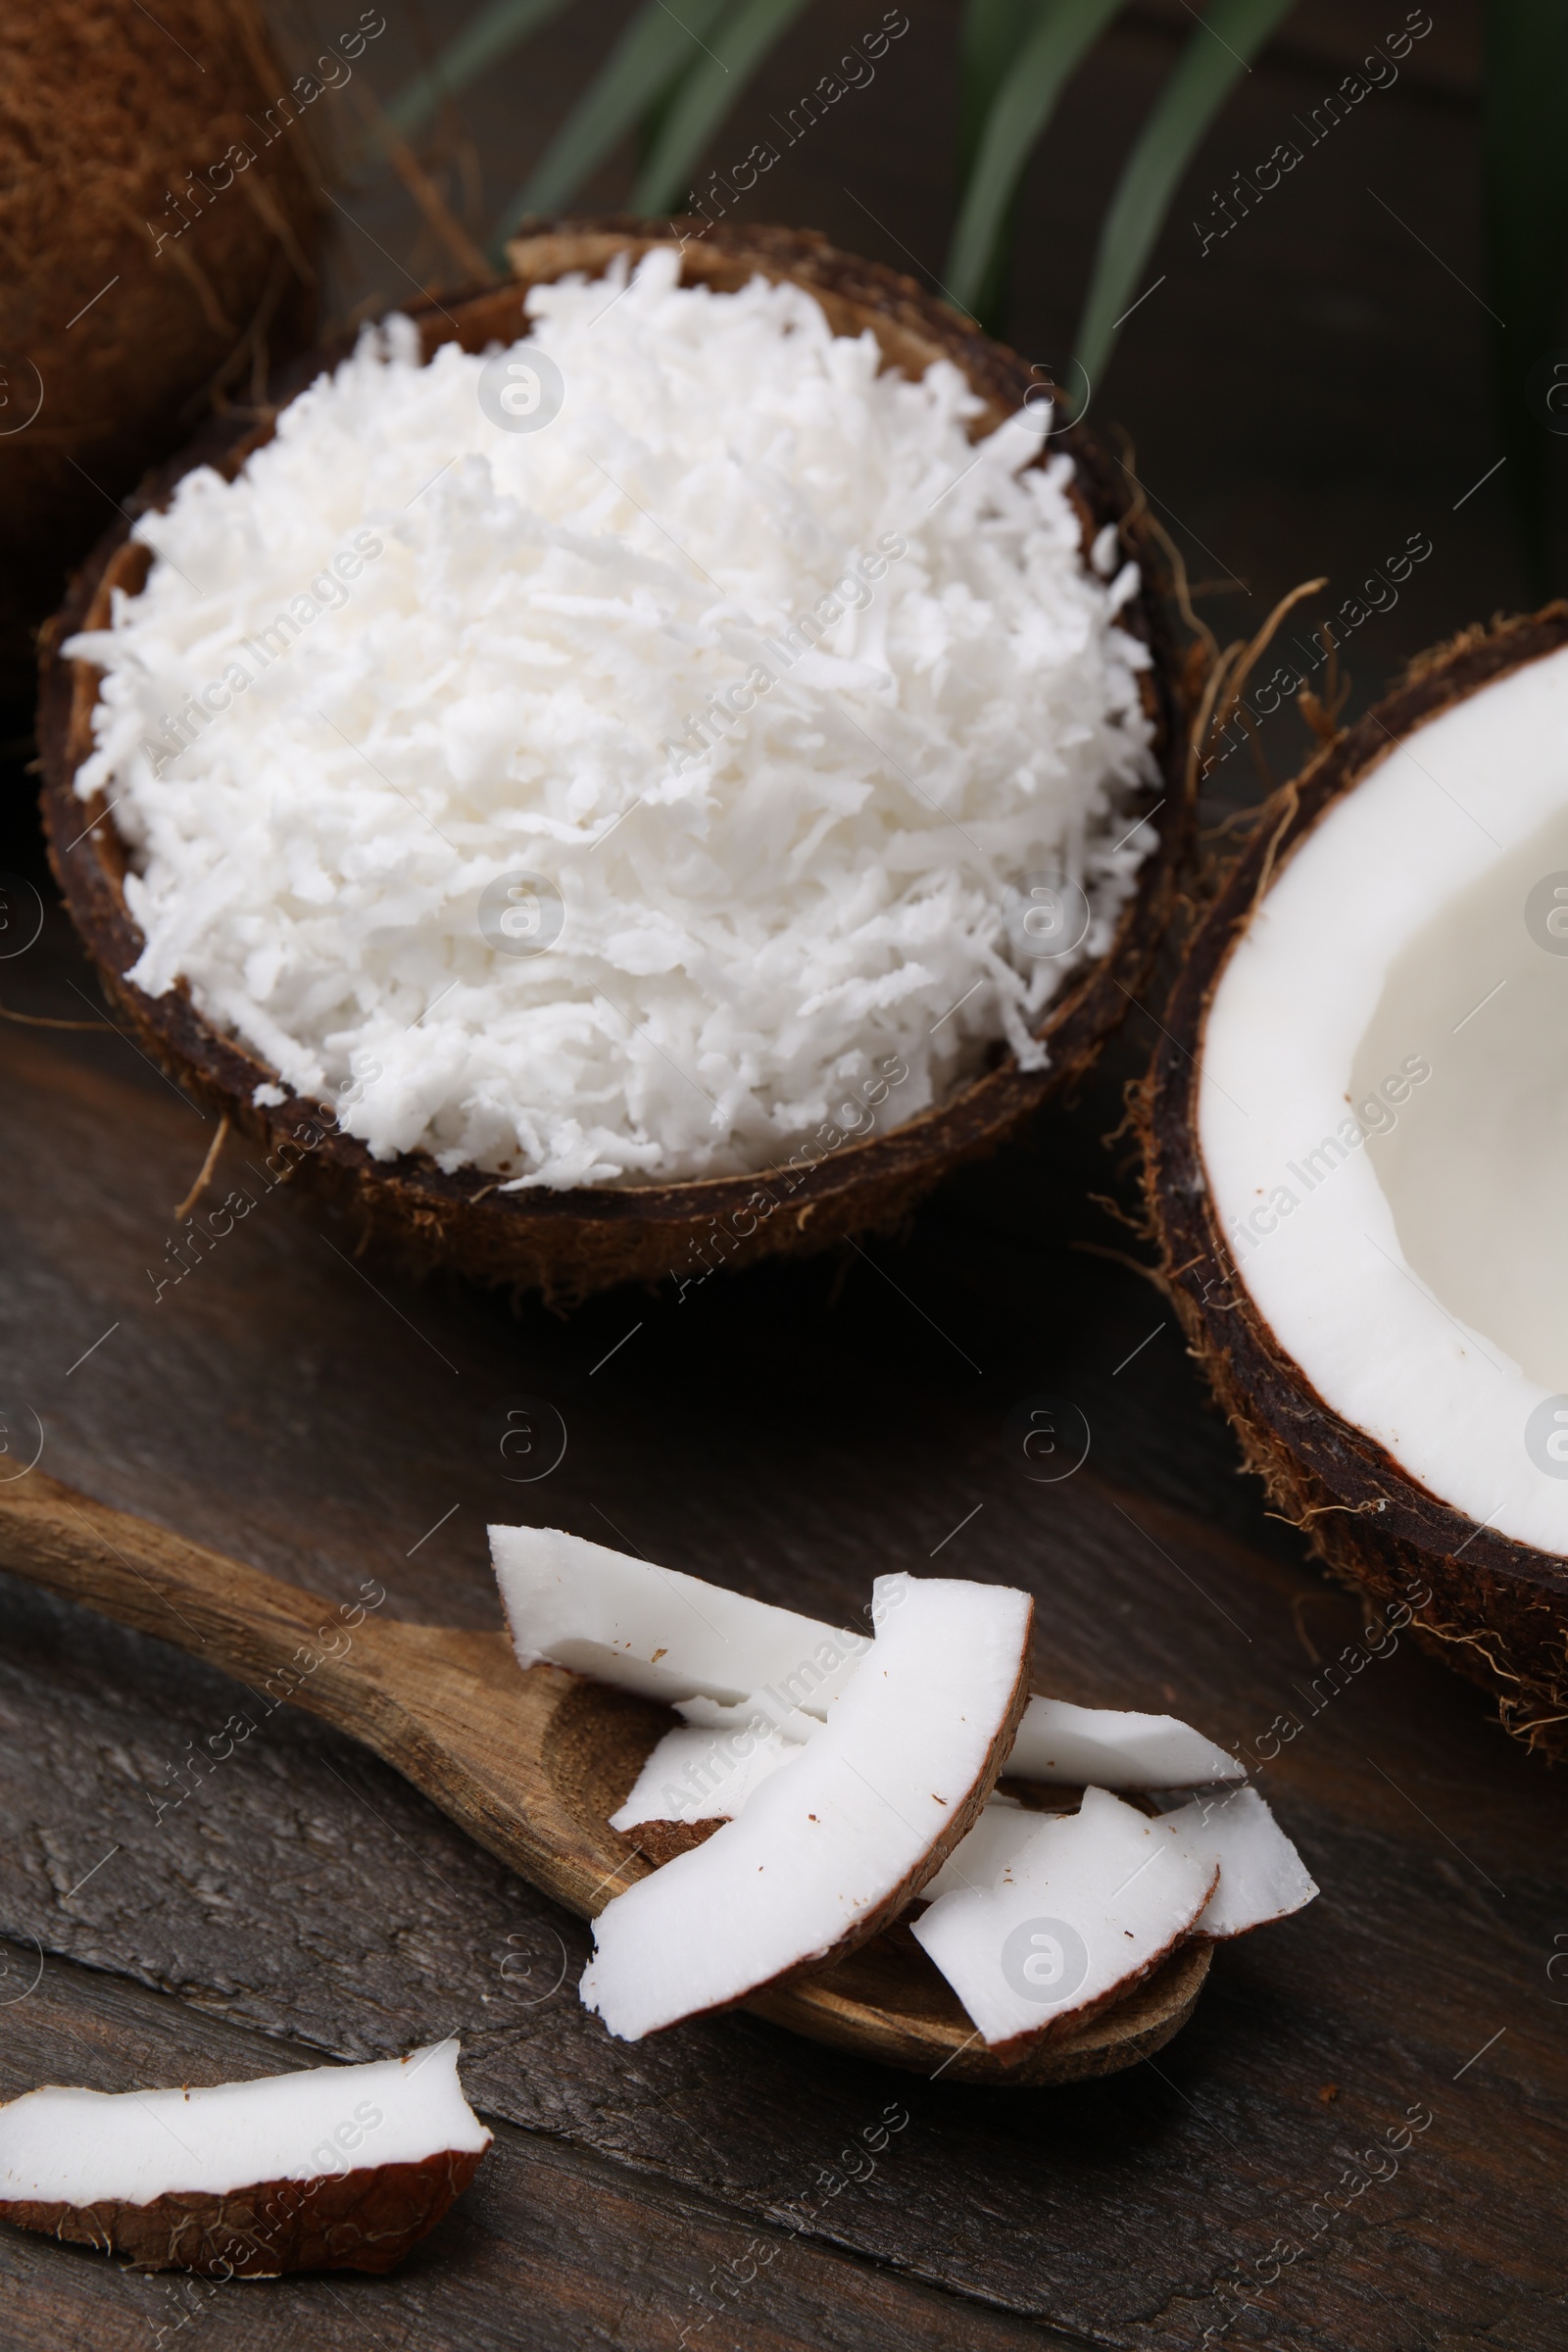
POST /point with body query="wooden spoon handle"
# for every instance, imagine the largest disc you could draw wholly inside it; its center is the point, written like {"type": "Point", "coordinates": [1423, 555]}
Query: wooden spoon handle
{"type": "Point", "coordinates": [253, 1626]}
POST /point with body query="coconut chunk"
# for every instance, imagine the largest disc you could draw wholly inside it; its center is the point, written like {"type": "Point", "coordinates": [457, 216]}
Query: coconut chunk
{"type": "Point", "coordinates": [761, 1706]}
{"type": "Point", "coordinates": [657, 1631]}
{"type": "Point", "coordinates": [1087, 1905]}
{"type": "Point", "coordinates": [696, 1780]}
{"type": "Point", "coordinates": [333, 2168]}
{"type": "Point", "coordinates": [1004, 1827]}
{"type": "Point", "coordinates": [1101, 1748]}
{"type": "Point", "coordinates": [831, 1846]}
{"type": "Point", "coordinates": [1261, 1876]}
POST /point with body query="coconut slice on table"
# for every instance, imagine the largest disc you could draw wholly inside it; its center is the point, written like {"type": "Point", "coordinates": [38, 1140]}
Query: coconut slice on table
{"type": "Point", "coordinates": [1355, 1148]}
{"type": "Point", "coordinates": [1261, 1876]}
{"type": "Point", "coordinates": [1090, 1904]}
{"type": "Point", "coordinates": [832, 1847]}
{"type": "Point", "coordinates": [336, 2168]}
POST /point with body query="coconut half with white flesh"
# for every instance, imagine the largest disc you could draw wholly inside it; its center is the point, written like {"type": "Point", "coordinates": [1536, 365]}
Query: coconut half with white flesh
{"type": "Point", "coordinates": [831, 1847]}
{"type": "Point", "coordinates": [1353, 1130]}
{"type": "Point", "coordinates": [1083, 1909]}
{"type": "Point", "coordinates": [335, 2168]}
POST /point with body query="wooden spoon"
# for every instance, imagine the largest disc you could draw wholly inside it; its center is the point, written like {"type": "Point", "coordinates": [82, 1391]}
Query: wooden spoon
{"type": "Point", "coordinates": [531, 1764]}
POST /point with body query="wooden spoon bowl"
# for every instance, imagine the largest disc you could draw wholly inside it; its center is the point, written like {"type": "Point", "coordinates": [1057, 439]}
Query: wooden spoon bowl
{"type": "Point", "coordinates": [568, 1243]}
{"type": "Point", "coordinates": [531, 1764]}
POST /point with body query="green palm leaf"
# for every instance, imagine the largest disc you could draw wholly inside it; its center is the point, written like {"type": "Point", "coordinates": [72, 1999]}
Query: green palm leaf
{"type": "Point", "coordinates": [1524, 163]}
{"type": "Point", "coordinates": [705, 97]}
{"type": "Point", "coordinates": [1026, 96]}
{"type": "Point", "coordinates": [647, 60]}
{"type": "Point", "coordinates": [993, 31]}
{"type": "Point", "coordinates": [1217, 53]}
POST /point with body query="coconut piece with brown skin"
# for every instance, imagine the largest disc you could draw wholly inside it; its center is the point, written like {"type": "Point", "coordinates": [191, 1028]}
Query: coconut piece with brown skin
{"type": "Point", "coordinates": [658, 1631]}
{"type": "Point", "coordinates": [1353, 1161]}
{"type": "Point", "coordinates": [145, 260]}
{"type": "Point", "coordinates": [1084, 1907]}
{"type": "Point", "coordinates": [701, 1776]}
{"type": "Point", "coordinates": [831, 1848]}
{"type": "Point", "coordinates": [336, 2168]}
{"type": "Point", "coordinates": [694, 1782]}
{"type": "Point", "coordinates": [1262, 1877]}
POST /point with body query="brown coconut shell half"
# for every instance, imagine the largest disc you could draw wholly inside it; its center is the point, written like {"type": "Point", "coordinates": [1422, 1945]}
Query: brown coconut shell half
{"type": "Point", "coordinates": [568, 1243]}
{"type": "Point", "coordinates": [145, 273]}
{"type": "Point", "coordinates": [1492, 1607]}
{"type": "Point", "coordinates": [357, 2221]}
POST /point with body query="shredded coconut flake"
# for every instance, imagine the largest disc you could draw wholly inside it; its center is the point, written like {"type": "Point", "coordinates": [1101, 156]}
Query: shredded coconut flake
{"type": "Point", "coordinates": [502, 653]}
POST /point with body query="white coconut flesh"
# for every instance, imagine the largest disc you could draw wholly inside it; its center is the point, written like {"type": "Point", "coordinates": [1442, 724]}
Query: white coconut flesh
{"type": "Point", "coordinates": [769, 710]}
{"type": "Point", "coordinates": [763, 1708]}
{"type": "Point", "coordinates": [698, 1774]}
{"type": "Point", "coordinates": [1261, 1876]}
{"type": "Point", "coordinates": [833, 1844]}
{"type": "Point", "coordinates": [744, 1669]}
{"type": "Point", "coordinates": [1384, 1105]}
{"type": "Point", "coordinates": [1088, 1904]}
{"type": "Point", "coordinates": [1111, 1750]}
{"type": "Point", "coordinates": [89, 2147]}
{"type": "Point", "coordinates": [708, 1769]}
{"type": "Point", "coordinates": [654, 1630]}
{"type": "Point", "coordinates": [1002, 1830]}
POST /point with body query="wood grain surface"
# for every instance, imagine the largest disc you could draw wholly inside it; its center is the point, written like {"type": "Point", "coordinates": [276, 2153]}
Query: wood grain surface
{"type": "Point", "coordinates": [793, 1432]}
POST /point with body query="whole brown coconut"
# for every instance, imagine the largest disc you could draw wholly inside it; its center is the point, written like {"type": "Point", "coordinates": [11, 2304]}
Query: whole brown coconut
{"type": "Point", "coordinates": [568, 1243]}
{"type": "Point", "coordinates": [1495, 1608]}
{"type": "Point", "coordinates": [147, 265]}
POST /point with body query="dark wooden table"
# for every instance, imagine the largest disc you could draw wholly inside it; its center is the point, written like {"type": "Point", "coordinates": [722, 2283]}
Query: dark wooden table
{"type": "Point", "coordinates": [792, 1431]}
{"type": "Point", "coordinates": [1306, 395]}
